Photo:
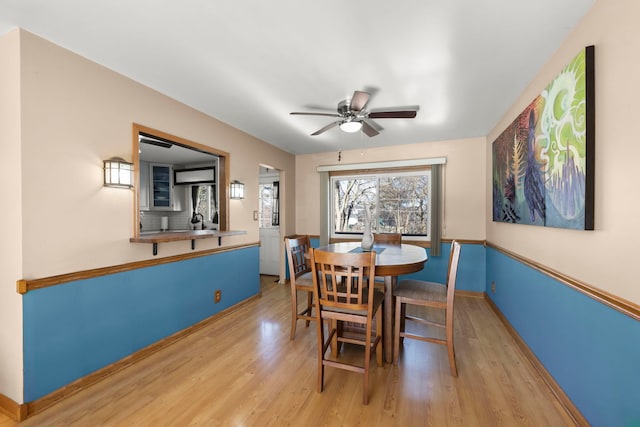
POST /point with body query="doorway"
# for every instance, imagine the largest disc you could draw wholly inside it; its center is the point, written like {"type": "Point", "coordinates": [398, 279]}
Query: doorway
{"type": "Point", "coordinates": [269, 220]}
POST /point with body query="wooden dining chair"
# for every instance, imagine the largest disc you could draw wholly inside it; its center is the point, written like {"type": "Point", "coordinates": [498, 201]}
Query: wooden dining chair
{"type": "Point", "coordinates": [428, 294]}
{"type": "Point", "coordinates": [388, 238]}
{"type": "Point", "coordinates": [300, 280]}
{"type": "Point", "coordinates": [342, 295]}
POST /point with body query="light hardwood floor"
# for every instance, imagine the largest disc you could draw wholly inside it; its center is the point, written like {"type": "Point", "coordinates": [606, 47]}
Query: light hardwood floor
{"type": "Point", "coordinates": [242, 370]}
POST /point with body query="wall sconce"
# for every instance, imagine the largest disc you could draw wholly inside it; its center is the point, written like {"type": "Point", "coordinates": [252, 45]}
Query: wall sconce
{"type": "Point", "coordinates": [118, 173]}
{"type": "Point", "coordinates": [237, 190]}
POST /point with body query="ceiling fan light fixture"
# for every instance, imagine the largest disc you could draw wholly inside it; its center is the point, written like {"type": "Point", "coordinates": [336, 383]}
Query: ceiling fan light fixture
{"type": "Point", "coordinates": [352, 116]}
{"type": "Point", "coordinates": [350, 126]}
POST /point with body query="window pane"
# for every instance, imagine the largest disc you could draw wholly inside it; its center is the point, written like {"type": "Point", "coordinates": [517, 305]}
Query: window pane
{"type": "Point", "coordinates": [265, 205]}
{"type": "Point", "coordinates": [403, 205]}
{"type": "Point", "coordinates": [351, 195]}
{"type": "Point", "coordinates": [203, 205]}
{"type": "Point", "coordinates": [399, 202]}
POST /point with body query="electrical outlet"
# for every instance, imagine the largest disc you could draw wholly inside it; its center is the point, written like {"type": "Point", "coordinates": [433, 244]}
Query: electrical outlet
{"type": "Point", "coordinates": [217, 296]}
{"type": "Point", "coordinates": [493, 287]}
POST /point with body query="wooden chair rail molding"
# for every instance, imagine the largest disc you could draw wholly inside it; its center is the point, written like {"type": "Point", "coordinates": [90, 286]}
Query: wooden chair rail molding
{"type": "Point", "coordinates": [422, 243]}
{"type": "Point", "coordinates": [620, 304]}
{"type": "Point", "coordinates": [25, 285]}
{"type": "Point", "coordinates": [411, 242]}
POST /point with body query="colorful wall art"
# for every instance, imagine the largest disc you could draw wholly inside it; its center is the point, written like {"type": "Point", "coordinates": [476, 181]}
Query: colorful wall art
{"type": "Point", "coordinates": [543, 163]}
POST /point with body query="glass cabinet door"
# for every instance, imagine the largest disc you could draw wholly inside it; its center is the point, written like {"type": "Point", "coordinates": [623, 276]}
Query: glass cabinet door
{"type": "Point", "coordinates": [160, 186]}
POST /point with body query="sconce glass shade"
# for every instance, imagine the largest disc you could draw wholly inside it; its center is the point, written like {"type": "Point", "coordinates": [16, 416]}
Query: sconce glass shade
{"type": "Point", "coordinates": [350, 126]}
{"type": "Point", "coordinates": [118, 173]}
{"type": "Point", "coordinates": [237, 190]}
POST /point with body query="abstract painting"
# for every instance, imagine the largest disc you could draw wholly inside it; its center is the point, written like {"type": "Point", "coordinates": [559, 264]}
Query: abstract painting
{"type": "Point", "coordinates": [543, 163]}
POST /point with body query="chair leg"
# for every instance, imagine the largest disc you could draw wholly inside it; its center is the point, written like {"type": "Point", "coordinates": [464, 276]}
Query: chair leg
{"type": "Point", "coordinates": [320, 346]}
{"type": "Point", "coordinates": [367, 363]}
{"type": "Point", "coordinates": [309, 305]}
{"type": "Point", "coordinates": [450, 348]}
{"type": "Point", "coordinates": [396, 334]}
{"type": "Point", "coordinates": [403, 318]}
{"type": "Point", "coordinates": [294, 312]}
{"type": "Point", "coordinates": [379, 347]}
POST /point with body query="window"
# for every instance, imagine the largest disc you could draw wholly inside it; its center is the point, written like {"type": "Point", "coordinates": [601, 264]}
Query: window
{"type": "Point", "coordinates": [268, 205]}
{"type": "Point", "coordinates": [206, 203]}
{"type": "Point", "coordinates": [399, 202]}
{"type": "Point", "coordinates": [154, 146]}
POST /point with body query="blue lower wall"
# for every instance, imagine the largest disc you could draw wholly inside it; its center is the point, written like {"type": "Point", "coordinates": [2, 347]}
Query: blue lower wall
{"type": "Point", "coordinates": [71, 330]}
{"type": "Point", "coordinates": [471, 269]}
{"type": "Point", "coordinates": [76, 328]}
{"type": "Point", "coordinates": [591, 350]}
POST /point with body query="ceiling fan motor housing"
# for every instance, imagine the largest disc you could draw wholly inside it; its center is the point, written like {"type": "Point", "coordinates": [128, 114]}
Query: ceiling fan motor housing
{"type": "Point", "coordinates": [343, 108]}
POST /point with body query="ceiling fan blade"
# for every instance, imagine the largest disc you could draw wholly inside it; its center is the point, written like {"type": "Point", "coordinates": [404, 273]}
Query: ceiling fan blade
{"type": "Point", "coordinates": [317, 107]}
{"type": "Point", "coordinates": [324, 129]}
{"type": "Point", "coordinates": [373, 124]}
{"type": "Point", "coordinates": [400, 112]}
{"type": "Point", "coordinates": [406, 114]}
{"type": "Point", "coordinates": [368, 129]}
{"type": "Point", "coordinates": [359, 100]}
{"type": "Point", "coordinates": [297, 113]}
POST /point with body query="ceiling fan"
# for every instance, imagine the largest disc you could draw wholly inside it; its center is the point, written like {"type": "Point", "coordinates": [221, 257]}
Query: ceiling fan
{"type": "Point", "coordinates": [352, 115]}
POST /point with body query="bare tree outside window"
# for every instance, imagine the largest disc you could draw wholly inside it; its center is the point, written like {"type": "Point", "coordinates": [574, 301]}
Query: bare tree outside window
{"type": "Point", "coordinates": [266, 205]}
{"type": "Point", "coordinates": [399, 203]}
{"type": "Point", "coordinates": [403, 205]}
{"type": "Point", "coordinates": [205, 204]}
{"type": "Point", "coordinates": [350, 198]}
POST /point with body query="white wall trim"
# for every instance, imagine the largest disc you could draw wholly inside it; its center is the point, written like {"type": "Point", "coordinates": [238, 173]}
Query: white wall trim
{"type": "Point", "coordinates": [379, 165]}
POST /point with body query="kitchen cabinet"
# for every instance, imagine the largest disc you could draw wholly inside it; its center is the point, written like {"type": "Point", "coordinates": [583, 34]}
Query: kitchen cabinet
{"type": "Point", "coordinates": [163, 196]}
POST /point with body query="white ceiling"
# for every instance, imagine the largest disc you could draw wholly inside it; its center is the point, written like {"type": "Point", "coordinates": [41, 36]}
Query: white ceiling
{"type": "Point", "coordinates": [249, 63]}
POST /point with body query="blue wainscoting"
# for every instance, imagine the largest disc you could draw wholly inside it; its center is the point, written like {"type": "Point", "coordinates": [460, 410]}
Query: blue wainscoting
{"type": "Point", "coordinates": [591, 350]}
{"type": "Point", "coordinates": [471, 267]}
{"type": "Point", "coordinates": [76, 328]}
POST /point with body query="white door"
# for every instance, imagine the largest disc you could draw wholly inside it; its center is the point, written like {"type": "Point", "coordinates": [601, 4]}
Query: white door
{"type": "Point", "coordinates": [269, 226]}
{"type": "Point", "coordinates": [269, 251]}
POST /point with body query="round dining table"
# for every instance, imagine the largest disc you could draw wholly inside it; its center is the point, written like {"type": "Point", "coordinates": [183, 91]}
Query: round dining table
{"type": "Point", "coordinates": [391, 262]}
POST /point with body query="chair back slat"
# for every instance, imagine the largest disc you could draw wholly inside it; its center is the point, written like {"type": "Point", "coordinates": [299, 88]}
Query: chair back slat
{"type": "Point", "coordinates": [342, 279]}
{"type": "Point", "coordinates": [296, 249]}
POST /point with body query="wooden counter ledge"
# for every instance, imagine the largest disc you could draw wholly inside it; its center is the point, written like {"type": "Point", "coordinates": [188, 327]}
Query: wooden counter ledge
{"type": "Point", "coordinates": [173, 236]}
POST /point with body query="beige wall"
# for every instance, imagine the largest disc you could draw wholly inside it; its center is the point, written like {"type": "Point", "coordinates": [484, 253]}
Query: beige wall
{"type": "Point", "coordinates": [10, 218]}
{"type": "Point", "coordinates": [465, 197]}
{"type": "Point", "coordinates": [607, 257]}
{"type": "Point", "coordinates": [603, 258]}
{"type": "Point", "coordinates": [74, 114]}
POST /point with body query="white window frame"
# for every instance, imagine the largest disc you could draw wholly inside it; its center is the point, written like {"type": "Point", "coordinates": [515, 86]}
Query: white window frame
{"type": "Point", "coordinates": [378, 174]}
